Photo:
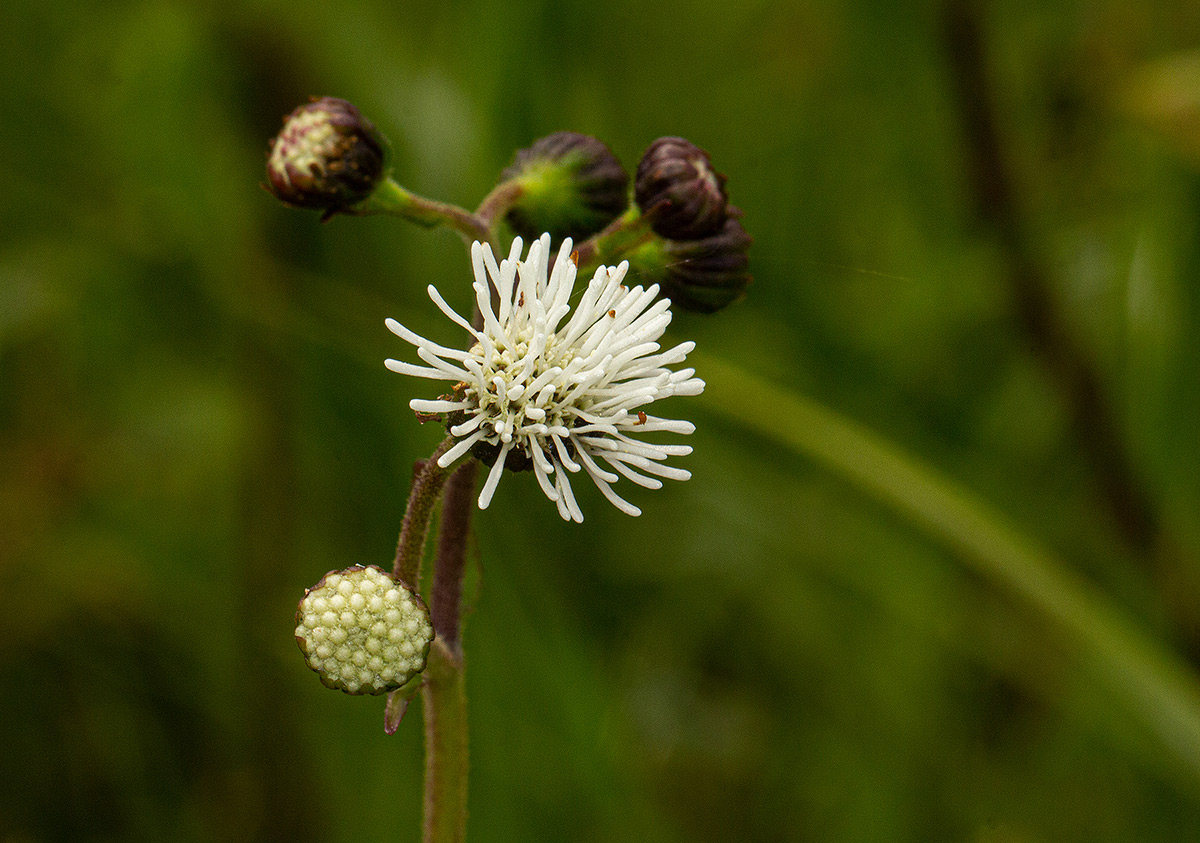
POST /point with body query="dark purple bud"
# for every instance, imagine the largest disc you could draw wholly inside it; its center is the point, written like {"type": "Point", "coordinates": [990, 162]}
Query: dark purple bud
{"type": "Point", "coordinates": [679, 190]}
{"type": "Point", "coordinates": [701, 275]}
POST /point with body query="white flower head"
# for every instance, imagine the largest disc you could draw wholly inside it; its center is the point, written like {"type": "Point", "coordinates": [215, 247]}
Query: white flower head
{"type": "Point", "coordinates": [561, 395]}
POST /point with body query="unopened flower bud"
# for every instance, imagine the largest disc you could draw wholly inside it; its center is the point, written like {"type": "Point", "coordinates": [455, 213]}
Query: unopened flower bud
{"type": "Point", "coordinates": [363, 631]}
{"type": "Point", "coordinates": [677, 186]}
{"type": "Point", "coordinates": [701, 275]}
{"type": "Point", "coordinates": [569, 185]}
{"type": "Point", "coordinates": [327, 156]}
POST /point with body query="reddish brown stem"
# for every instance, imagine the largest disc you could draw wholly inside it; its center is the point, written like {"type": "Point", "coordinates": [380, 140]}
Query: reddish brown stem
{"type": "Point", "coordinates": [450, 564]}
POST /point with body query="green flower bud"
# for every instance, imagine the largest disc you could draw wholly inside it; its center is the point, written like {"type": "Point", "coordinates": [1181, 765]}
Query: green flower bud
{"type": "Point", "coordinates": [363, 631]}
{"type": "Point", "coordinates": [701, 275]}
{"type": "Point", "coordinates": [327, 156]}
{"type": "Point", "coordinates": [679, 190]}
{"type": "Point", "coordinates": [567, 184]}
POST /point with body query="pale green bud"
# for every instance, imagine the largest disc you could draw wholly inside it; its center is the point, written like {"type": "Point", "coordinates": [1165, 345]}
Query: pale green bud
{"type": "Point", "coordinates": [363, 631]}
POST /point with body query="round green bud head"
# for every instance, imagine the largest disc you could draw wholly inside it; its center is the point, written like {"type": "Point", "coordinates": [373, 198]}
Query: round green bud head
{"type": "Point", "coordinates": [327, 156]}
{"type": "Point", "coordinates": [363, 631]}
{"type": "Point", "coordinates": [571, 185]}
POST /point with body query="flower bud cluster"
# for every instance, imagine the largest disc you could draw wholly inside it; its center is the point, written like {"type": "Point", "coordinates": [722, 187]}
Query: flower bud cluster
{"type": "Point", "coordinates": [567, 185]}
{"type": "Point", "coordinates": [363, 631]}
{"type": "Point", "coordinates": [571, 185]}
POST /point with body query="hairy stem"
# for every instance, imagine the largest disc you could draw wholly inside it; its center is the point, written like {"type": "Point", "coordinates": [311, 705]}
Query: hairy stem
{"type": "Point", "coordinates": [497, 203]}
{"type": "Point", "coordinates": [428, 479]}
{"type": "Point", "coordinates": [621, 236]}
{"type": "Point", "coordinates": [450, 565]}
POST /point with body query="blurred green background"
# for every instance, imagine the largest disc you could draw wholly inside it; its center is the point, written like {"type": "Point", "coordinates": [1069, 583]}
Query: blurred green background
{"type": "Point", "coordinates": [977, 234]}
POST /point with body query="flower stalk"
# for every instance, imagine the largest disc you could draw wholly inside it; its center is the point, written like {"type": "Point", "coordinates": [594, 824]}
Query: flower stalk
{"type": "Point", "coordinates": [446, 761]}
{"type": "Point", "coordinates": [392, 199]}
{"type": "Point", "coordinates": [450, 563]}
{"type": "Point", "coordinates": [445, 695]}
{"type": "Point", "coordinates": [428, 479]}
{"type": "Point", "coordinates": [623, 235]}
{"type": "Point", "coordinates": [499, 202]}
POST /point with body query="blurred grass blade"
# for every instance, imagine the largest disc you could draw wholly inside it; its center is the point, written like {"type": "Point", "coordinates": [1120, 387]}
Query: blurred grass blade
{"type": "Point", "coordinates": [1157, 684]}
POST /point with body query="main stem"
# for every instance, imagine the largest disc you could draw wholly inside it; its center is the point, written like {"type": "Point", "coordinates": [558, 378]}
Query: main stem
{"type": "Point", "coordinates": [445, 706]}
{"type": "Point", "coordinates": [444, 692]}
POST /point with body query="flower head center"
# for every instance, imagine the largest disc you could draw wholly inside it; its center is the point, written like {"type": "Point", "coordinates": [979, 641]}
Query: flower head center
{"type": "Point", "coordinates": [522, 389]}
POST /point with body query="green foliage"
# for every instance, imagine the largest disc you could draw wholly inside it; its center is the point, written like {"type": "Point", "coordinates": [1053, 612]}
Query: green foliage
{"type": "Point", "coordinates": [195, 425]}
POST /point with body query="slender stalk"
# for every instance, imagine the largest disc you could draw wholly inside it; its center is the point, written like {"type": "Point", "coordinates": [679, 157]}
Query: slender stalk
{"type": "Point", "coordinates": [446, 762]}
{"type": "Point", "coordinates": [428, 479]}
{"type": "Point", "coordinates": [621, 236]}
{"type": "Point", "coordinates": [1154, 681]}
{"type": "Point", "coordinates": [450, 565]}
{"type": "Point", "coordinates": [390, 198]}
{"type": "Point", "coordinates": [497, 203]}
{"type": "Point", "coordinates": [445, 698]}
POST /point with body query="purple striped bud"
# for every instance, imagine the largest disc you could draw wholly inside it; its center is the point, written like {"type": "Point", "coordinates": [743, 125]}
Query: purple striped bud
{"type": "Point", "coordinates": [679, 190]}
{"type": "Point", "coordinates": [327, 156]}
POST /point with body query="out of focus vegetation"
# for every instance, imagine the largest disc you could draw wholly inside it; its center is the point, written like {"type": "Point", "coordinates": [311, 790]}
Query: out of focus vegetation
{"type": "Point", "coordinates": [977, 234]}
